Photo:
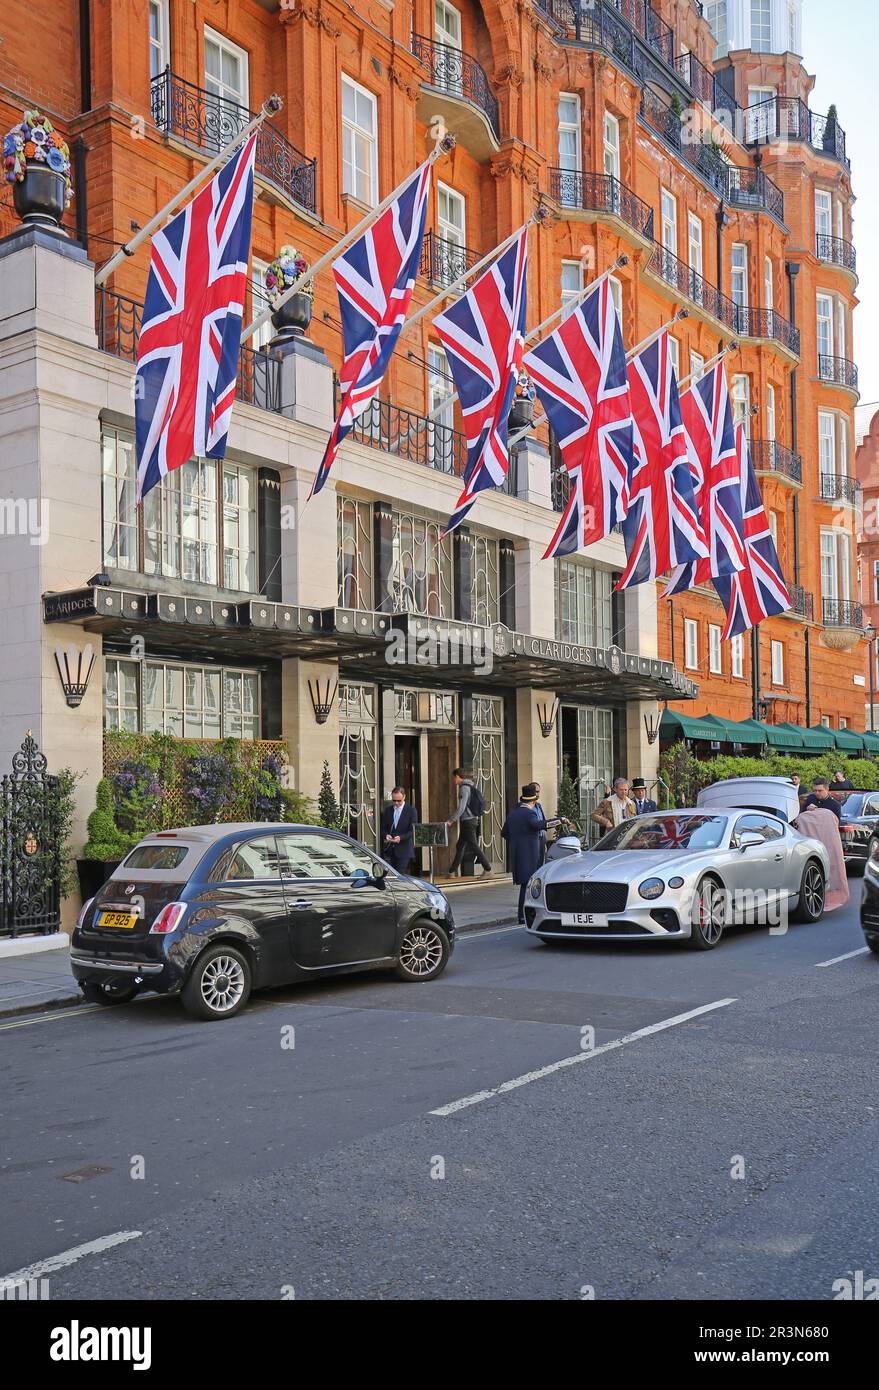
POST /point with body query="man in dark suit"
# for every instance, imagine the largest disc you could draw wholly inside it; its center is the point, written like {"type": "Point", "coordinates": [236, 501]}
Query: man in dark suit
{"type": "Point", "coordinates": [398, 824]}
{"type": "Point", "coordinates": [643, 803]}
{"type": "Point", "coordinates": [523, 830]}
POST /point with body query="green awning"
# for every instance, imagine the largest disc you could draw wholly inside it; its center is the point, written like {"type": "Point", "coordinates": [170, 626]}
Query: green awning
{"type": "Point", "coordinates": [674, 725]}
{"type": "Point", "coordinates": [848, 741]}
{"type": "Point", "coordinates": [871, 742]}
{"type": "Point", "coordinates": [817, 740]}
{"type": "Point", "coordinates": [784, 738]}
{"type": "Point", "coordinates": [745, 731]}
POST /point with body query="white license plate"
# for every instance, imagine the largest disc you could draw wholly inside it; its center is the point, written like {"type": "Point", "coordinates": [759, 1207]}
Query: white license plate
{"type": "Point", "coordinates": [582, 919]}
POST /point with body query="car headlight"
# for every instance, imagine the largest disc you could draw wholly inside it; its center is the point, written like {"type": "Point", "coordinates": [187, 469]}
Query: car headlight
{"type": "Point", "coordinates": [535, 888]}
{"type": "Point", "coordinates": [437, 899]}
{"type": "Point", "coordinates": [651, 888]}
{"type": "Point", "coordinates": [676, 883]}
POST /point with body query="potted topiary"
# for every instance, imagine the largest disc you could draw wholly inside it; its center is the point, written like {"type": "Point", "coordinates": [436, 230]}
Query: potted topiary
{"type": "Point", "coordinates": [831, 127]}
{"type": "Point", "coordinates": [106, 846]}
{"type": "Point", "coordinates": [292, 318]}
{"type": "Point", "coordinates": [37, 163]}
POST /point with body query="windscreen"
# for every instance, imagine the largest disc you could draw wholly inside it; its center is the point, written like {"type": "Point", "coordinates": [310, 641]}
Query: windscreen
{"type": "Point", "coordinates": [666, 832]}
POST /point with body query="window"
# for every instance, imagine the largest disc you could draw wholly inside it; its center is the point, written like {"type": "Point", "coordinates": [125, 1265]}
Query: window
{"type": "Point", "coordinates": [446, 24]}
{"type": "Point", "coordinates": [674, 349]}
{"type": "Point", "coordinates": [694, 242]}
{"type": "Point", "coordinates": [441, 409]}
{"type": "Point", "coordinates": [225, 74]}
{"type": "Point", "coordinates": [836, 566]}
{"type": "Point", "coordinates": [772, 518]}
{"type": "Point", "coordinates": [826, 442]}
{"type": "Point", "coordinates": [715, 665]}
{"type": "Point", "coordinates": [741, 401]}
{"type": "Point", "coordinates": [359, 143]}
{"type": "Point", "coordinates": [451, 225]}
{"type": "Point", "coordinates": [823, 212]}
{"type": "Point", "coordinates": [715, 13]}
{"type": "Point", "coordinates": [761, 119]}
{"type": "Point", "coordinates": [770, 412]}
{"type": "Point", "coordinates": [583, 604]}
{"type": "Point", "coordinates": [182, 699]}
{"type": "Point", "coordinates": [239, 528]}
{"type": "Point", "coordinates": [571, 285]}
{"type": "Point", "coordinates": [691, 644]}
{"type": "Point", "coordinates": [616, 294]}
{"type": "Point", "coordinates": [308, 854]}
{"type": "Point", "coordinates": [160, 47]}
{"type": "Point", "coordinates": [768, 284]}
{"type": "Point", "coordinates": [757, 825]}
{"type": "Point", "coordinates": [569, 148]}
{"type": "Point", "coordinates": [485, 588]}
{"type": "Point", "coordinates": [843, 446]}
{"type": "Point", "coordinates": [119, 493]}
{"type": "Point", "coordinates": [777, 663]}
{"type": "Point", "coordinates": [354, 552]}
{"type": "Point", "coordinates": [841, 334]}
{"type": "Point", "coordinates": [697, 364]}
{"type": "Point", "coordinates": [259, 302]}
{"type": "Point", "coordinates": [825, 722]}
{"type": "Point", "coordinates": [843, 722]}
{"type": "Point", "coordinates": [761, 26]}
{"type": "Point", "coordinates": [254, 859]}
{"type": "Point", "coordinates": [876, 581]}
{"type": "Point", "coordinates": [611, 145]}
{"type": "Point", "coordinates": [669, 222]}
{"type": "Point", "coordinates": [824, 314]}
{"type": "Point", "coordinates": [739, 280]}
{"type": "Point", "coordinates": [198, 521]}
{"type": "Point", "coordinates": [420, 578]}
{"type": "Point", "coordinates": [793, 30]}
{"type": "Point", "coordinates": [737, 656]}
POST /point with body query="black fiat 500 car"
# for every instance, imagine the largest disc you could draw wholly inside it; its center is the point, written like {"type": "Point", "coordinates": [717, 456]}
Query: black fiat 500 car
{"type": "Point", "coordinates": [214, 911]}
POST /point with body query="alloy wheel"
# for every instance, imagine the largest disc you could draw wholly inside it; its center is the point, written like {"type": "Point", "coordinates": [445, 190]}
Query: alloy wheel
{"type": "Point", "coordinates": [711, 914]}
{"type": "Point", "coordinates": [813, 889]}
{"type": "Point", "coordinates": [222, 984]}
{"type": "Point", "coordinates": [421, 951]}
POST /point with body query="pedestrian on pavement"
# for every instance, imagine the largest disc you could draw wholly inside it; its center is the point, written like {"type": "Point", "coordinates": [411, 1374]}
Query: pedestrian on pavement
{"type": "Point", "coordinates": [841, 783]}
{"type": "Point", "coordinates": [821, 798]}
{"type": "Point", "coordinates": [398, 824]}
{"type": "Point", "coordinates": [615, 808]}
{"type": "Point", "coordinates": [796, 780]}
{"type": "Point", "coordinates": [523, 830]}
{"type": "Point", "coordinates": [470, 807]}
{"type": "Point", "coordinates": [643, 803]}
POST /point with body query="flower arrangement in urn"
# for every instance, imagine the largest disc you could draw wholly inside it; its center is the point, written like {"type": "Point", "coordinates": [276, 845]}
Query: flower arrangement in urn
{"type": "Point", "coordinates": [37, 164]}
{"type": "Point", "coordinates": [522, 407]}
{"type": "Point", "coordinates": [294, 316]}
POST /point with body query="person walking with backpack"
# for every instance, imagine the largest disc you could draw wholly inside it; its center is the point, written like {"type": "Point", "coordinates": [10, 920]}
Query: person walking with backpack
{"type": "Point", "coordinates": [471, 805]}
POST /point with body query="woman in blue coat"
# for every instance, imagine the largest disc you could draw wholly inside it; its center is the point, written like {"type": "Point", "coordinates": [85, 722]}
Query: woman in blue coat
{"type": "Point", "coordinates": [523, 830]}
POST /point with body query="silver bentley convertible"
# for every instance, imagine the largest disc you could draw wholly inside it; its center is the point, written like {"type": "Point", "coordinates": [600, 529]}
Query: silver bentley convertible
{"type": "Point", "coordinates": [687, 874]}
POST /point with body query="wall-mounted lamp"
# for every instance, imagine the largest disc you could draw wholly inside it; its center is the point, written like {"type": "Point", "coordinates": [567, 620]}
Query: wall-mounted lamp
{"type": "Point", "coordinates": [547, 716]}
{"type": "Point", "coordinates": [74, 670]}
{"type": "Point", "coordinates": [322, 705]}
{"type": "Point", "coordinates": [651, 727]}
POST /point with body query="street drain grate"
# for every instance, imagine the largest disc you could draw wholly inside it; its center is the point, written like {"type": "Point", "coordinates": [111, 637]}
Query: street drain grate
{"type": "Point", "coordinates": [84, 1174]}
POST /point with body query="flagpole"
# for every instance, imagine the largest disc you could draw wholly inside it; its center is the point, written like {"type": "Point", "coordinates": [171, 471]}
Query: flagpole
{"type": "Point", "coordinates": [270, 107]}
{"type": "Point", "coordinates": [651, 337]}
{"type": "Point", "coordinates": [442, 147]}
{"type": "Point", "coordinates": [706, 367]}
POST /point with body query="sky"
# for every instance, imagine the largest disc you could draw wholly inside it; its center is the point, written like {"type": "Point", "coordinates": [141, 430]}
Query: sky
{"type": "Point", "coordinates": [841, 42]}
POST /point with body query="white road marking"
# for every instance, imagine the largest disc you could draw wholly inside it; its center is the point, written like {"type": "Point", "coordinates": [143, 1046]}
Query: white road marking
{"type": "Point", "coordinates": [55, 1014]}
{"type": "Point", "coordinates": [821, 964]}
{"type": "Point", "coordinates": [68, 1257]}
{"type": "Point", "coordinates": [464, 934]}
{"type": "Point", "coordinates": [518, 1081]}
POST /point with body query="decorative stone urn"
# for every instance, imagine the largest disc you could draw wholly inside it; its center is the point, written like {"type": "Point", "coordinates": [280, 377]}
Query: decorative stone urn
{"type": "Point", "coordinates": [291, 320]}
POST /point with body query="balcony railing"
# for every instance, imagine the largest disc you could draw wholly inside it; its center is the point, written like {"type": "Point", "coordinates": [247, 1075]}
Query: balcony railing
{"type": "Point", "coordinates": [690, 284]}
{"type": "Point", "coordinates": [790, 118]}
{"type": "Point", "coordinates": [208, 122]}
{"type": "Point", "coordinates": [839, 487]}
{"type": "Point", "coordinates": [751, 188]}
{"type": "Point", "coordinates": [802, 603]}
{"type": "Point", "coordinates": [559, 486]}
{"type": "Point", "coordinates": [706, 159]}
{"type": "Point", "coordinates": [837, 251]}
{"type": "Point", "coordinates": [768, 456]}
{"type": "Point", "coordinates": [842, 613]}
{"type": "Point", "coordinates": [838, 371]}
{"type": "Point", "coordinates": [458, 75]}
{"type": "Point", "coordinates": [601, 193]}
{"type": "Point", "coordinates": [117, 323]}
{"type": "Point", "coordinates": [444, 261]}
{"type": "Point", "coordinates": [704, 84]}
{"type": "Point", "coordinates": [766, 323]}
{"type": "Point", "coordinates": [412, 437]}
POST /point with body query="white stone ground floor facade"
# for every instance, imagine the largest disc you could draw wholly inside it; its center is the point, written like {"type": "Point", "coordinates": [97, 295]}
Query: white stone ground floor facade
{"type": "Point", "coordinates": [228, 605]}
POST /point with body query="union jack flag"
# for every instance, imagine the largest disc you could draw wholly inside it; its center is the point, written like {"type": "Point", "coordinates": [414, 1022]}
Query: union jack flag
{"type": "Point", "coordinates": [662, 529]}
{"type": "Point", "coordinates": [579, 373]}
{"type": "Point", "coordinates": [187, 352]}
{"type": "Point", "coordinates": [758, 591]}
{"type": "Point", "coordinates": [375, 277]}
{"type": "Point", "coordinates": [716, 469]}
{"type": "Point", "coordinates": [484, 337]}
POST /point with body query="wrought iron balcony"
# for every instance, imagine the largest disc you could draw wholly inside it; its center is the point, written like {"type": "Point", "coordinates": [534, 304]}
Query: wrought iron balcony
{"type": "Point", "coordinates": [768, 456]}
{"type": "Point", "coordinates": [458, 75]}
{"type": "Point", "coordinates": [842, 613]}
{"type": "Point", "coordinates": [412, 437]}
{"type": "Point", "coordinates": [837, 371]}
{"type": "Point", "coordinates": [766, 323]}
{"type": "Point", "coordinates": [444, 261]}
{"type": "Point", "coordinates": [789, 118]}
{"type": "Point", "coordinates": [601, 193]}
{"type": "Point", "coordinates": [751, 188]}
{"type": "Point", "coordinates": [706, 159]}
{"type": "Point", "coordinates": [559, 484]}
{"type": "Point", "coordinates": [839, 487]}
{"type": "Point", "coordinates": [704, 84]}
{"type": "Point", "coordinates": [690, 284]}
{"type": "Point", "coordinates": [118, 321]}
{"type": "Point", "coordinates": [802, 603]}
{"type": "Point", "coordinates": [207, 122]}
{"type": "Point", "coordinates": [836, 251]}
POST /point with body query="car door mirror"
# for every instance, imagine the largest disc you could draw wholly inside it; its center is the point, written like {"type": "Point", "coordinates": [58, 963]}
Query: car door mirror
{"type": "Point", "coordinates": [379, 871]}
{"type": "Point", "coordinates": [749, 838]}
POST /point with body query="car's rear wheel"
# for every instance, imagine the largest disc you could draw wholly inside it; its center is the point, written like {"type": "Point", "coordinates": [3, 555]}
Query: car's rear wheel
{"type": "Point", "coordinates": [707, 916]}
{"type": "Point", "coordinates": [96, 993]}
{"type": "Point", "coordinates": [873, 944]}
{"type": "Point", "coordinates": [219, 984]}
{"type": "Point", "coordinates": [813, 888]}
{"type": "Point", "coordinates": [873, 847]}
{"type": "Point", "coordinates": [424, 952]}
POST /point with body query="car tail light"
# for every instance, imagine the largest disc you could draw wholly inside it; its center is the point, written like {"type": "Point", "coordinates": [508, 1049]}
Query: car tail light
{"type": "Point", "coordinates": [83, 910]}
{"type": "Point", "coordinates": [168, 919]}
{"type": "Point", "coordinates": [846, 830]}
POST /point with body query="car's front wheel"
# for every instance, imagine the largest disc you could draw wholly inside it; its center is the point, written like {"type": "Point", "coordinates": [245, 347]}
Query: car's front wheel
{"type": "Point", "coordinates": [219, 984]}
{"type": "Point", "coordinates": [707, 916]}
{"type": "Point", "coordinates": [95, 993]}
{"type": "Point", "coordinates": [424, 952]}
{"type": "Point", "coordinates": [873, 944]}
{"type": "Point", "coordinates": [813, 887]}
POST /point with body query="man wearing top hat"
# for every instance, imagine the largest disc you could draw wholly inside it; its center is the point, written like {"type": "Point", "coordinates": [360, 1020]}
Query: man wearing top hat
{"type": "Point", "coordinates": [643, 803]}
